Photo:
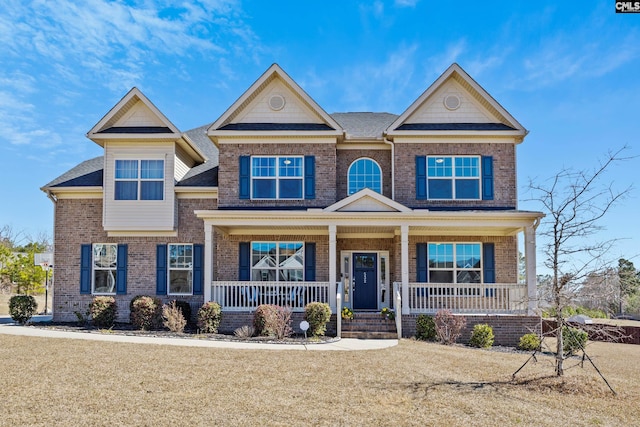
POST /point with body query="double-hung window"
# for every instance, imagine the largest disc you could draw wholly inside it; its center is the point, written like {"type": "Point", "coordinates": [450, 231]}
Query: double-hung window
{"type": "Point", "coordinates": [105, 262]}
{"type": "Point", "coordinates": [277, 261]}
{"type": "Point", "coordinates": [180, 269]}
{"type": "Point", "coordinates": [139, 180]}
{"type": "Point", "coordinates": [455, 263]}
{"type": "Point", "coordinates": [277, 177]}
{"type": "Point", "coordinates": [453, 177]}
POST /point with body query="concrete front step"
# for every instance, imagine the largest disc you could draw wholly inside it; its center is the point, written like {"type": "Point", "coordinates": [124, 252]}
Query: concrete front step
{"type": "Point", "coordinates": [370, 335]}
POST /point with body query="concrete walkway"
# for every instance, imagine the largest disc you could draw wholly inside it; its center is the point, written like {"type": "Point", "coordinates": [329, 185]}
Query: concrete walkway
{"type": "Point", "coordinates": [345, 344]}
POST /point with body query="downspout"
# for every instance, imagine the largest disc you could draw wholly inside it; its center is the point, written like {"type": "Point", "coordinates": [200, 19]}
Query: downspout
{"type": "Point", "coordinates": [393, 166]}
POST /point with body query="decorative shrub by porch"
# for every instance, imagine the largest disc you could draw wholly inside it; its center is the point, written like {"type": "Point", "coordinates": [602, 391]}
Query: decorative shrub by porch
{"type": "Point", "coordinates": [449, 327]}
{"type": "Point", "coordinates": [103, 311]}
{"type": "Point", "coordinates": [482, 336]}
{"type": "Point", "coordinates": [185, 308]}
{"type": "Point", "coordinates": [318, 315]}
{"type": "Point", "coordinates": [387, 314]}
{"type": "Point", "coordinates": [529, 342]}
{"type": "Point", "coordinates": [22, 308]}
{"type": "Point", "coordinates": [173, 319]}
{"type": "Point", "coordinates": [209, 317]}
{"type": "Point", "coordinates": [273, 321]}
{"type": "Point", "coordinates": [425, 328]}
{"type": "Point", "coordinates": [146, 312]}
{"type": "Point", "coordinates": [574, 340]}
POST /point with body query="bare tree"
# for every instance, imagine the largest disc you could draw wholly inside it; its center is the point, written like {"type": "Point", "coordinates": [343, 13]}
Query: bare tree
{"type": "Point", "coordinates": [574, 203]}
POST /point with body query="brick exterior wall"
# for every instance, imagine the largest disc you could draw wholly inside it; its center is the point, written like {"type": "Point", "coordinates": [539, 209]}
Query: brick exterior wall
{"type": "Point", "coordinates": [346, 157]}
{"type": "Point", "coordinates": [228, 173]}
{"type": "Point", "coordinates": [79, 221]}
{"type": "Point", "coordinates": [504, 172]}
{"type": "Point", "coordinates": [506, 329]}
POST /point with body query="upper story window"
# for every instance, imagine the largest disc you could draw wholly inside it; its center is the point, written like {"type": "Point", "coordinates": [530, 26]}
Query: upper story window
{"type": "Point", "coordinates": [139, 180]}
{"type": "Point", "coordinates": [277, 177]}
{"type": "Point", "coordinates": [453, 177]}
{"type": "Point", "coordinates": [277, 261]}
{"type": "Point", "coordinates": [455, 263]}
{"type": "Point", "coordinates": [105, 262]}
{"type": "Point", "coordinates": [180, 269]}
{"type": "Point", "coordinates": [364, 173]}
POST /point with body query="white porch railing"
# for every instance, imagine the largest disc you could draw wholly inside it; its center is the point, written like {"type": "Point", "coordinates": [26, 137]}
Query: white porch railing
{"type": "Point", "coordinates": [247, 296]}
{"type": "Point", "coordinates": [498, 298]}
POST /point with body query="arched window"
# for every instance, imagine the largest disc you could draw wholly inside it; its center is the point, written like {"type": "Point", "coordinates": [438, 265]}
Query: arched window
{"type": "Point", "coordinates": [364, 173]}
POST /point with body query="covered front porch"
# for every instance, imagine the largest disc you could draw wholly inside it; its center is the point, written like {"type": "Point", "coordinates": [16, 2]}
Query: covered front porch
{"type": "Point", "coordinates": [368, 252]}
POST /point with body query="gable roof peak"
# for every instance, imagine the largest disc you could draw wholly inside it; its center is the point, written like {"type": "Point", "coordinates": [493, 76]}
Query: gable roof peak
{"type": "Point", "coordinates": [485, 105]}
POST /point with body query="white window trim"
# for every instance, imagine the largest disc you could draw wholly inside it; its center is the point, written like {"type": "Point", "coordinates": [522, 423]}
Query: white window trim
{"type": "Point", "coordinates": [276, 177]}
{"type": "Point", "coordinates": [276, 268]}
{"type": "Point", "coordinates": [455, 269]}
{"type": "Point", "coordinates": [169, 269]}
{"type": "Point", "coordinates": [139, 180]}
{"type": "Point", "coordinates": [349, 174]}
{"type": "Point", "coordinates": [94, 269]}
{"type": "Point", "coordinates": [453, 178]}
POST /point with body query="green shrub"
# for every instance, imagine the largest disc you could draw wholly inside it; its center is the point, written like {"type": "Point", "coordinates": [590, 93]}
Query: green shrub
{"type": "Point", "coordinates": [185, 308]}
{"type": "Point", "coordinates": [103, 311]}
{"type": "Point", "coordinates": [425, 328]}
{"type": "Point", "coordinates": [146, 313]}
{"type": "Point", "coordinates": [482, 336]}
{"type": "Point", "coordinates": [318, 315]}
{"type": "Point", "coordinates": [209, 317]}
{"type": "Point", "coordinates": [22, 308]}
{"type": "Point", "coordinates": [529, 342]}
{"type": "Point", "coordinates": [573, 340]}
{"type": "Point", "coordinates": [272, 321]}
{"type": "Point", "coordinates": [173, 319]}
{"type": "Point", "coordinates": [449, 327]}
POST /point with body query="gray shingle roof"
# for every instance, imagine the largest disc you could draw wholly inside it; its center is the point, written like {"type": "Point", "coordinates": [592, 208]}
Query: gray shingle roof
{"type": "Point", "coordinates": [86, 174]}
{"type": "Point", "coordinates": [364, 125]}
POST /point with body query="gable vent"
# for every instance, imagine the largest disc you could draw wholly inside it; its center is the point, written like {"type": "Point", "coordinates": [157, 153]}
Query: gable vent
{"type": "Point", "coordinates": [276, 102]}
{"type": "Point", "coordinates": [452, 102]}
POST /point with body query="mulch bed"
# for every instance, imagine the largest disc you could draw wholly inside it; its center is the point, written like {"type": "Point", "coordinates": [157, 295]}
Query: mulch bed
{"type": "Point", "coordinates": [190, 332]}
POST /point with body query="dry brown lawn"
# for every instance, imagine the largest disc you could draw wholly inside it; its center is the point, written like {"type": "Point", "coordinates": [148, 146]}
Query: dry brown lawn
{"type": "Point", "coordinates": [77, 382]}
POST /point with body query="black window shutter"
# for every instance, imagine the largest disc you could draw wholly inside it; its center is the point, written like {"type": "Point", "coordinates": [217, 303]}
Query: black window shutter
{"type": "Point", "coordinates": [121, 271]}
{"type": "Point", "coordinates": [489, 262]}
{"type": "Point", "coordinates": [487, 177]}
{"type": "Point", "coordinates": [422, 260]}
{"type": "Point", "coordinates": [85, 269]}
{"type": "Point", "coordinates": [244, 264]}
{"type": "Point", "coordinates": [421, 178]}
{"type": "Point", "coordinates": [309, 177]}
{"type": "Point", "coordinates": [161, 269]}
{"type": "Point", "coordinates": [245, 177]}
{"type": "Point", "coordinates": [310, 261]}
{"type": "Point", "coordinates": [198, 269]}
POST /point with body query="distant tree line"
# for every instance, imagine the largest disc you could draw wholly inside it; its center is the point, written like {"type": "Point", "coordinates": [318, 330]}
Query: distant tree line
{"type": "Point", "coordinates": [18, 272]}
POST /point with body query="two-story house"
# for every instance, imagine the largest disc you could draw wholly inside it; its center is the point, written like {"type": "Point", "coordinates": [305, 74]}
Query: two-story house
{"type": "Point", "coordinates": [280, 202]}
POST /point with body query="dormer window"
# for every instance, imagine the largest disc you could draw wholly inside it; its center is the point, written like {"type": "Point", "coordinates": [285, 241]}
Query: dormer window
{"type": "Point", "coordinates": [364, 173]}
{"type": "Point", "coordinates": [139, 180]}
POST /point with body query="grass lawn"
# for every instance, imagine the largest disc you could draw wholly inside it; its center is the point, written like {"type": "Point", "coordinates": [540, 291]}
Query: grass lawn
{"type": "Point", "coordinates": [77, 382]}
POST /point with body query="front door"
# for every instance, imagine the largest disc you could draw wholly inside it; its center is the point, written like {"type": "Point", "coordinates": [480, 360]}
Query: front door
{"type": "Point", "coordinates": [365, 281]}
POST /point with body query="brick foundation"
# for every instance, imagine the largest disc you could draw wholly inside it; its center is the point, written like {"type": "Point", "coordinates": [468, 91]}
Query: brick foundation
{"type": "Point", "coordinates": [506, 329]}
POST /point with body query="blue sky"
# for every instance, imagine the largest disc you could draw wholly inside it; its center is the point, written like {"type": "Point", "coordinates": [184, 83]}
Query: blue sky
{"type": "Point", "coordinates": [567, 71]}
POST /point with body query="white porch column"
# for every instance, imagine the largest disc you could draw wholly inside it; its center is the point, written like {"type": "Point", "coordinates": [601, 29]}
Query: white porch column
{"type": "Point", "coordinates": [404, 266]}
{"type": "Point", "coordinates": [208, 261]}
{"type": "Point", "coordinates": [530, 265]}
{"type": "Point", "coordinates": [332, 267]}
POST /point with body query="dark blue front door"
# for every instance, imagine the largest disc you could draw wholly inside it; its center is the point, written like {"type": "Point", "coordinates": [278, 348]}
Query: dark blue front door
{"type": "Point", "coordinates": [365, 281]}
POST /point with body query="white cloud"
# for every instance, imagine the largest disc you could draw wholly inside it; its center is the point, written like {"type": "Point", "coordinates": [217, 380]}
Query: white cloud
{"type": "Point", "coordinates": [406, 3]}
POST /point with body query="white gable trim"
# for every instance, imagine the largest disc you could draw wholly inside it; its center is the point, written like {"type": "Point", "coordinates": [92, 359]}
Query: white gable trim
{"type": "Point", "coordinates": [456, 71]}
{"type": "Point", "coordinates": [121, 109]}
{"type": "Point", "coordinates": [352, 202]}
{"type": "Point", "coordinates": [272, 72]}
